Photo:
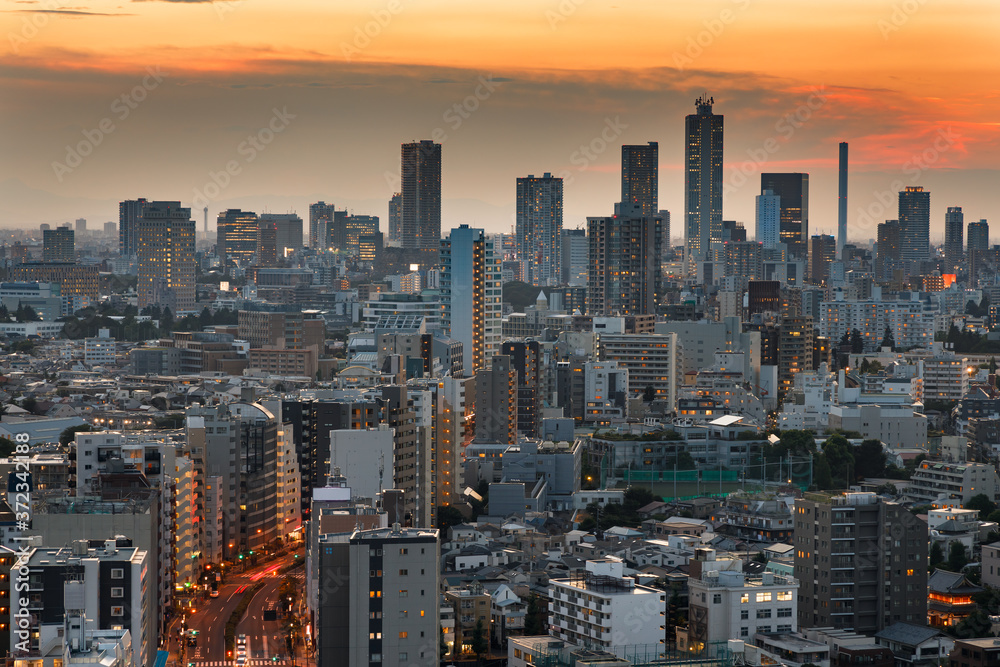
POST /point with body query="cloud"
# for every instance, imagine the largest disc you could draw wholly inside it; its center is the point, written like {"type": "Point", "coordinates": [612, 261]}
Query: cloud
{"type": "Point", "coordinates": [64, 12]}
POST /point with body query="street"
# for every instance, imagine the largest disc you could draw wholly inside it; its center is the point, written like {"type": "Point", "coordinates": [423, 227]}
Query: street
{"type": "Point", "coordinates": [265, 640]}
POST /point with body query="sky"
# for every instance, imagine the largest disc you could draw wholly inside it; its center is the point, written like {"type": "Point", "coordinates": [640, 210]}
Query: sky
{"type": "Point", "coordinates": [269, 105]}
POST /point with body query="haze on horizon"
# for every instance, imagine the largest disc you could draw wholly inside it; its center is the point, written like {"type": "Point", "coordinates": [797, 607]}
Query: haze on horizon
{"type": "Point", "coordinates": [280, 104]}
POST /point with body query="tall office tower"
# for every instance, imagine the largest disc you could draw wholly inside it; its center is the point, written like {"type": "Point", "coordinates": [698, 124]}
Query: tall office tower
{"type": "Point", "coordinates": [380, 598]}
{"type": "Point", "coordinates": [496, 402]}
{"type": "Point", "coordinates": [979, 235]}
{"type": "Point", "coordinates": [768, 219]}
{"type": "Point", "coordinates": [743, 261]}
{"type": "Point", "coordinates": [288, 227]}
{"type": "Point", "coordinates": [702, 181]}
{"type": "Point", "coordinates": [793, 228]}
{"type": "Point", "coordinates": [129, 213]}
{"type": "Point", "coordinates": [539, 228]}
{"type": "Point", "coordinates": [320, 218]}
{"type": "Point", "coordinates": [954, 229]}
{"type": "Point", "coordinates": [58, 245]}
{"type": "Point", "coordinates": [795, 350]}
{"type": "Point", "coordinates": [888, 250]}
{"type": "Point", "coordinates": [842, 203]}
{"type": "Point", "coordinates": [575, 257]}
{"type": "Point", "coordinates": [525, 358]}
{"type": "Point", "coordinates": [356, 226]}
{"type": "Point", "coordinates": [166, 257]}
{"type": "Point", "coordinates": [625, 272]}
{"type": "Point", "coordinates": [110, 229]}
{"type": "Point", "coordinates": [266, 252]}
{"type": "Point", "coordinates": [471, 295]}
{"type": "Point", "coordinates": [914, 227]}
{"type": "Point", "coordinates": [665, 217]}
{"type": "Point", "coordinates": [822, 253]}
{"type": "Point", "coordinates": [396, 217]}
{"type": "Point", "coordinates": [861, 561]}
{"type": "Point", "coordinates": [81, 224]}
{"type": "Point", "coordinates": [640, 180]}
{"type": "Point", "coordinates": [420, 175]}
{"type": "Point", "coordinates": [236, 237]}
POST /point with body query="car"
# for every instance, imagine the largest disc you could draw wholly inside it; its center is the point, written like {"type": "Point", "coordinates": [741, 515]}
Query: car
{"type": "Point", "coordinates": [242, 639]}
{"type": "Point", "coordinates": [241, 660]}
{"type": "Point", "coordinates": [214, 593]}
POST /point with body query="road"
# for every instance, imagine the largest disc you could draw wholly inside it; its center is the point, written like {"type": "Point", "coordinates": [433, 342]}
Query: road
{"type": "Point", "coordinates": [266, 645]}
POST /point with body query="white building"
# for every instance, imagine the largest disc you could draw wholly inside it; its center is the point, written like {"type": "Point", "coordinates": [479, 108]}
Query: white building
{"type": "Point", "coordinates": [946, 377]}
{"type": "Point", "coordinates": [361, 455]}
{"type": "Point", "coordinates": [606, 388]}
{"type": "Point", "coordinates": [602, 608]}
{"type": "Point", "coordinates": [934, 480]}
{"type": "Point", "coordinates": [768, 219]}
{"type": "Point", "coordinates": [471, 294]}
{"type": "Point", "coordinates": [808, 405]}
{"type": "Point", "coordinates": [652, 360]}
{"type": "Point", "coordinates": [289, 484]}
{"type": "Point", "coordinates": [99, 351]}
{"type": "Point", "coordinates": [896, 424]}
{"type": "Point", "coordinates": [912, 325]}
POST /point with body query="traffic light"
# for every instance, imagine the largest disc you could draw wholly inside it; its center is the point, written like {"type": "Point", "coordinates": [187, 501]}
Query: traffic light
{"type": "Point", "coordinates": [241, 556]}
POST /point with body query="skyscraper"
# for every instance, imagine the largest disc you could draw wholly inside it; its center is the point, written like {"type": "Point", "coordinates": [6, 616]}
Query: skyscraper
{"type": "Point", "coordinates": [320, 217]}
{"type": "Point", "coordinates": [356, 226]}
{"type": "Point", "coordinates": [236, 236]}
{"type": "Point", "coordinates": [793, 191]}
{"type": "Point", "coordinates": [914, 227]}
{"type": "Point", "coordinates": [979, 235]}
{"type": "Point", "coordinates": [539, 228]}
{"type": "Point", "coordinates": [420, 175]}
{"type": "Point", "coordinates": [396, 217]}
{"type": "Point", "coordinates": [768, 219]}
{"type": "Point", "coordinates": [81, 224]}
{"type": "Point", "coordinates": [58, 245]}
{"type": "Point", "coordinates": [288, 227]}
{"type": "Point", "coordinates": [575, 256]}
{"type": "Point", "coordinates": [842, 202]}
{"type": "Point", "coordinates": [624, 267]}
{"type": "Point", "coordinates": [129, 212]}
{"type": "Point", "coordinates": [954, 228]}
{"type": "Point", "coordinates": [266, 253]}
{"type": "Point", "coordinates": [702, 180]}
{"type": "Point", "coordinates": [496, 402]}
{"type": "Point", "coordinates": [471, 298]}
{"type": "Point", "coordinates": [640, 181]}
{"type": "Point", "coordinates": [166, 257]}
{"type": "Point", "coordinates": [888, 252]}
{"type": "Point", "coordinates": [822, 253]}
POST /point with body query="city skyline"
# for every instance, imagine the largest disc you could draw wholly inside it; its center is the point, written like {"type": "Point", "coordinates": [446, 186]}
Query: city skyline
{"type": "Point", "coordinates": [500, 114]}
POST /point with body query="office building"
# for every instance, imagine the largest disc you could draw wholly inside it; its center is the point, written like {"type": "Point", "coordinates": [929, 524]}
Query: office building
{"type": "Point", "coordinates": [768, 213]}
{"type": "Point", "coordinates": [58, 245]}
{"type": "Point", "coordinates": [743, 262]}
{"type": "Point", "coordinates": [420, 177]}
{"type": "Point", "coordinates": [236, 234]}
{"type": "Point", "coordinates": [888, 253]}
{"type": "Point", "coordinates": [702, 180]}
{"type": "Point", "coordinates": [129, 213]}
{"type": "Point", "coordinates": [320, 218]}
{"type": "Point", "coordinates": [795, 350]}
{"type": "Point", "coordinates": [356, 227]}
{"type": "Point", "coordinates": [110, 229]}
{"type": "Point", "coordinates": [266, 252]}
{"type": "Point", "coordinates": [640, 179]}
{"type": "Point", "coordinates": [861, 562]}
{"type": "Point", "coordinates": [602, 608]}
{"type": "Point", "coordinates": [288, 232]}
{"type": "Point", "coordinates": [166, 257]}
{"type": "Point", "coordinates": [575, 257]}
{"type": "Point", "coordinates": [625, 273]}
{"type": "Point", "coordinates": [979, 235]}
{"type": "Point", "coordinates": [73, 279]}
{"type": "Point", "coordinates": [539, 229]}
{"type": "Point", "coordinates": [822, 253]}
{"type": "Point", "coordinates": [496, 402]}
{"type": "Point", "coordinates": [792, 190]}
{"type": "Point", "coordinates": [471, 297]}
{"type": "Point", "coordinates": [380, 598]}
{"type": "Point", "coordinates": [81, 224]}
{"type": "Point", "coordinates": [396, 217]}
{"type": "Point", "coordinates": [914, 227]}
{"type": "Point", "coordinates": [954, 229]}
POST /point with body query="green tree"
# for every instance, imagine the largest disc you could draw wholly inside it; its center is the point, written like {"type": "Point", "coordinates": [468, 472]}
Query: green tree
{"type": "Point", "coordinates": [935, 556]}
{"type": "Point", "coordinates": [535, 617]}
{"type": "Point", "coordinates": [7, 447]}
{"type": "Point", "coordinates": [888, 340]}
{"type": "Point", "coordinates": [839, 455]}
{"type": "Point", "coordinates": [69, 434]}
{"type": "Point", "coordinates": [448, 516]}
{"type": "Point", "coordinates": [167, 321]}
{"type": "Point", "coordinates": [957, 558]}
{"type": "Point", "coordinates": [982, 503]}
{"type": "Point", "coordinates": [479, 641]}
{"type": "Point", "coordinates": [822, 478]}
{"type": "Point", "coordinates": [857, 342]}
{"type": "Point", "coordinates": [30, 404]}
{"type": "Point", "coordinates": [649, 394]}
{"type": "Point", "coordinates": [869, 459]}
{"type": "Point", "coordinates": [994, 516]}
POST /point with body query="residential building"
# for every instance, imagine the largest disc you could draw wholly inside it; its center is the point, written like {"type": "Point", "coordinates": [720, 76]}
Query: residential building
{"type": "Point", "coordinates": [954, 230]}
{"type": "Point", "coordinates": [420, 177]}
{"type": "Point", "coordinates": [768, 214]}
{"type": "Point", "coordinates": [795, 350]}
{"type": "Point", "coordinates": [526, 360]}
{"type": "Point", "coordinates": [889, 250]}
{"type": "Point", "coordinates": [129, 214]}
{"type": "Point", "coordinates": [822, 253]}
{"type": "Point", "coordinates": [792, 190]}
{"type": "Point", "coordinates": [975, 653]}
{"type": "Point", "coordinates": [652, 360]}
{"type": "Point", "coordinates": [539, 221]}
{"type": "Point", "coordinates": [471, 606]}
{"type": "Point", "coordinates": [396, 217]}
{"type": "Point", "coordinates": [575, 257]}
{"type": "Point", "coordinates": [640, 178]}
{"type": "Point", "coordinates": [58, 245]}
{"type": "Point", "coordinates": [702, 180]}
{"type": "Point", "coordinates": [624, 272]}
{"type": "Point", "coordinates": [496, 402]}
{"type": "Point", "coordinates": [933, 480]}
{"type": "Point", "coordinates": [914, 227]}
{"type": "Point", "coordinates": [471, 297]}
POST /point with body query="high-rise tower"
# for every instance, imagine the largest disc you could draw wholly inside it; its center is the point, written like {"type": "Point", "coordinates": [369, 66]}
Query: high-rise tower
{"type": "Point", "coordinates": [236, 236]}
{"type": "Point", "coordinates": [702, 180]}
{"type": "Point", "coordinates": [420, 175]}
{"type": "Point", "coordinates": [640, 180]}
{"type": "Point", "coordinates": [842, 203]}
{"type": "Point", "coordinates": [914, 227]}
{"type": "Point", "coordinates": [954, 230]}
{"type": "Point", "coordinates": [625, 273]}
{"type": "Point", "coordinates": [793, 189]}
{"type": "Point", "coordinates": [539, 228]}
{"type": "Point", "coordinates": [166, 257]}
{"type": "Point", "coordinates": [129, 212]}
{"type": "Point", "coordinates": [471, 298]}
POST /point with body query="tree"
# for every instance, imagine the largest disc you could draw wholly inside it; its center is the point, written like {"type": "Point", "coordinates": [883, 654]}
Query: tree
{"type": "Point", "coordinates": [840, 456]}
{"type": "Point", "coordinates": [993, 365]}
{"type": "Point", "coordinates": [479, 645]}
{"type": "Point", "coordinates": [649, 394]}
{"type": "Point", "coordinates": [982, 503]}
{"type": "Point", "coordinates": [167, 320]}
{"type": "Point", "coordinates": [957, 558]}
{"type": "Point", "coordinates": [535, 617]}
{"type": "Point", "coordinates": [935, 556]}
{"type": "Point", "coordinates": [857, 342]}
{"type": "Point", "coordinates": [7, 447]}
{"type": "Point", "coordinates": [68, 435]}
{"type": "Point", "coordinates": [448, 516]}
{"type": "Point", "coordinates": [888, 340]}
{"type": "Point", "coordinates": [760, 557]}
{"type": "Point", "coordinates": [869, 459]}
{"type": "Point", "coordinates": [822, 478]}
{"type": "Point", "coordinates": [994, 516]}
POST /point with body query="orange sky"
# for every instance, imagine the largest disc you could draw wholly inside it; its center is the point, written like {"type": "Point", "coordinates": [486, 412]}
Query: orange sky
{"type": "Point", "coordinates": [894, 76]}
